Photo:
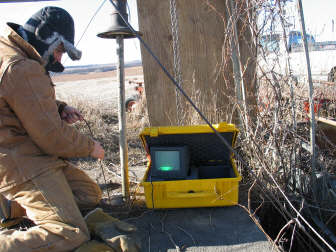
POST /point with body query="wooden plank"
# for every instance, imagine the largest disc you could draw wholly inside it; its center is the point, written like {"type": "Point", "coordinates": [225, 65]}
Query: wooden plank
{"type": "Point", "coordinates": [205, 59]}
{"type": "Point", "coordinates": [328, 129]}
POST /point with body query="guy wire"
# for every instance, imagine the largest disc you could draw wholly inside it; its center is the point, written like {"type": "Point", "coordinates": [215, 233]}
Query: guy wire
{"type": "Point", "coordinates": [100, 163]}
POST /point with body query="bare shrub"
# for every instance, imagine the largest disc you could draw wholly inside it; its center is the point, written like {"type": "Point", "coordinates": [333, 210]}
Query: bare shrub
{"type": "Point", "coordinates": [101, 123]}
{"type": "Point", "coordinates": [274, 139]}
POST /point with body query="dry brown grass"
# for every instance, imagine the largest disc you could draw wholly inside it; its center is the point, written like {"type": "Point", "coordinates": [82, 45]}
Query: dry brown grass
{"type": "Point", "coordinates": [102, 124]}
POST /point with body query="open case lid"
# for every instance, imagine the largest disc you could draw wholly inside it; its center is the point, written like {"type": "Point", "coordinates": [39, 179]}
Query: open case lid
{"type": "Point", "coordinates": [204, 145]}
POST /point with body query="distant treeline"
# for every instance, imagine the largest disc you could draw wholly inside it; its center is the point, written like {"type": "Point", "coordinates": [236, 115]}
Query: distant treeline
{"type": "Point", "coordinates": [97, 68]}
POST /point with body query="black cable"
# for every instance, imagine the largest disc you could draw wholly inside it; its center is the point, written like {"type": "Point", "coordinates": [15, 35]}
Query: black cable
{"type": "Point", "coordinates": [87, 124]}
{"type": "Point", "coordinates": [100, 162]}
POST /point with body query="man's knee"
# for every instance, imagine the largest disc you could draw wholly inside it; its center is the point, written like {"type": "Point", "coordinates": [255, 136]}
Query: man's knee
{"type": "Point", "coordinates": [86, 191]}
{"type": "Point", "coordinates": [51, 236]}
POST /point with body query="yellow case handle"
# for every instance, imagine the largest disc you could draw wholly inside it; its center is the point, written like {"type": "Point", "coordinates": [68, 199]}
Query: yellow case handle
{"type": "Point", "coordinates": [183, 195]}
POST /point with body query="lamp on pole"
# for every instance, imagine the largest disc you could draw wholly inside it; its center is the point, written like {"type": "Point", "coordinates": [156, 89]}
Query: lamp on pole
{"type": "Point", "coordinates": [119, 30]}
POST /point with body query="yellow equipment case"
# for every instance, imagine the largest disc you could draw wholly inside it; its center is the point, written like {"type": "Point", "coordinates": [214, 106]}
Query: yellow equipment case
{"type": "Point", "coordinates": [217, 183]}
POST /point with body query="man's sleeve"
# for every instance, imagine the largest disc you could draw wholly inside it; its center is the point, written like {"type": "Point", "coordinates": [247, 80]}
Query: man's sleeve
{"type": "Point", "coordinates": [31, 96]}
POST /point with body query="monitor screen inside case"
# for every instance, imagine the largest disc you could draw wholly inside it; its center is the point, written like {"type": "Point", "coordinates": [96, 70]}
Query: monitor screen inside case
{"type": "Point", "coordinates": [169, 162]}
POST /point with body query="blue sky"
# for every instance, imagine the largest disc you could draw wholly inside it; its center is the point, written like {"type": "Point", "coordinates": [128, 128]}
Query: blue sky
{"type": "Point", "coordinates": [95, 50]}
{"type": "Point", "coordinates": [318, 17]}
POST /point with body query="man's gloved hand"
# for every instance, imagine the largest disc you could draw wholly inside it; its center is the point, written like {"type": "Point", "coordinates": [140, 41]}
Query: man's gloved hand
{"type": "Point", "coordinates": [98, 151]}
{"type": "Point", "coordinates": [71, 115]}
{"type": "Point", "coordinates": [97, 218]}
{"type": "Point", "coordinates": [116, 233]}
{"type": "Point", "coordinates": [94, 246]}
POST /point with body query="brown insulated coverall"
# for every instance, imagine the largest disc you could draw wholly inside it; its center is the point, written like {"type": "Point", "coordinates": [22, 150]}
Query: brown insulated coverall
{"type": "Point", "coordinates": [33, 141]}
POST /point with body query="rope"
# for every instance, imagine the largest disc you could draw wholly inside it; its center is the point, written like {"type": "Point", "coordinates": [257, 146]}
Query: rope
{"type": "Point", "coordinates": [236, 154]}
{"type": "Point", "coordinates": [177, 60]}
{"type": "Point", "coordinates": [100, 163]}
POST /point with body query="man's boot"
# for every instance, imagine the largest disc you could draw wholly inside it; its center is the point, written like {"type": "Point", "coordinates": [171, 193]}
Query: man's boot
{"type": "Point", "coordinates": [117, 234]}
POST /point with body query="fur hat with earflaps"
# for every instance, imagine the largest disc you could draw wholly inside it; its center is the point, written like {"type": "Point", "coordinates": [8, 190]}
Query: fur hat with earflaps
{"type": "Point", "coordinates": [47, 29]}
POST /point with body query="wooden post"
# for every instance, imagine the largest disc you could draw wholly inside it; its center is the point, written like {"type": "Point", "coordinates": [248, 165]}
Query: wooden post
{"type": "Point", "coordinates": [206, 68]}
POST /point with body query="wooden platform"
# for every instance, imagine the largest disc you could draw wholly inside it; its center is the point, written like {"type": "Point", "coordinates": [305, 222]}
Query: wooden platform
{"type": "Point", "coordinates": [327, 128]}
{"type": "Point", "coordinates": [200, 229]}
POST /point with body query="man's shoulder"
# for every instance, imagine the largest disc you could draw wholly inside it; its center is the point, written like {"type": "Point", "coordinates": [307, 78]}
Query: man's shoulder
{"type": "Point", "coordinates": [22, 71]}
{"type": "Point", "coordinates": [25, 65]}
{"type": "Point", "coordinates": [18, 69]}
{"type": "Point", "coordinates": [9, 55]}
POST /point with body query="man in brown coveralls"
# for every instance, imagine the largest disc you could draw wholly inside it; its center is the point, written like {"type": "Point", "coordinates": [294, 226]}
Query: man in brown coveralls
{"type": "Point", "coordinates": [35, 180]}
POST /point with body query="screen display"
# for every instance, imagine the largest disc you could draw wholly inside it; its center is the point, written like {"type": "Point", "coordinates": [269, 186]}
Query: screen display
{"type": "Point", "coordinates": [167, 161]}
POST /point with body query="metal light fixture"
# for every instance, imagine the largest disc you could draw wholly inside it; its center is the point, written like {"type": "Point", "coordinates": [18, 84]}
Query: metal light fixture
{"type": "Point", "coordinates": [118, 27]}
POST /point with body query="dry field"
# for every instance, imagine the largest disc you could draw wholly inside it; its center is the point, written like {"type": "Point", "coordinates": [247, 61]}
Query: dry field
{"type": "Point", "coordinates": [130, 71]}
{"type": "Point", "coordinates": [96, 87]}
